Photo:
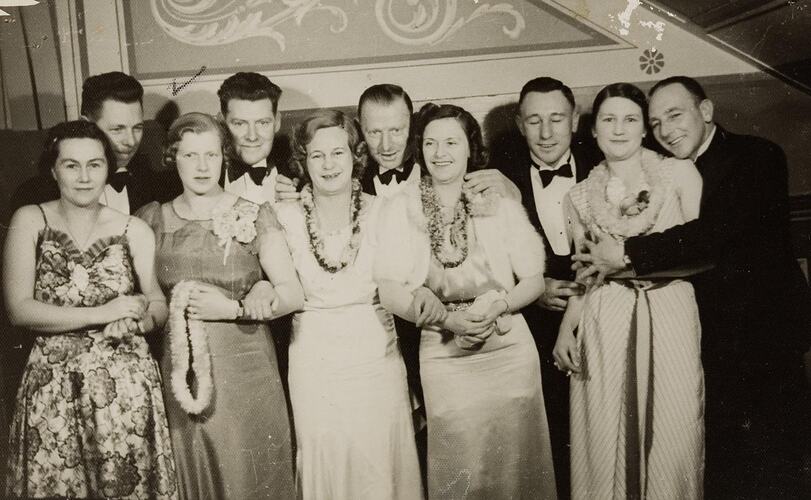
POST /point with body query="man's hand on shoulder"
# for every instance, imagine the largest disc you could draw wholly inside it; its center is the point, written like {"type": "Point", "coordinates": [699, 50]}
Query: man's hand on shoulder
{"type": "Point", "coordinates": [286, 188]}
{"type": "Point", "coordinates": [491, 180]}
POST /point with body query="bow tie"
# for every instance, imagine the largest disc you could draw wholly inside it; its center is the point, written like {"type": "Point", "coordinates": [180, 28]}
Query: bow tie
{"type": "Point", "coordinates": [119, 180]}
{"type": "Point", "coordinates": [400, 174]}
{"type": "Point", "coordinates": [564, 170]}
{"type": "Point", "coordinates": [258, 174]}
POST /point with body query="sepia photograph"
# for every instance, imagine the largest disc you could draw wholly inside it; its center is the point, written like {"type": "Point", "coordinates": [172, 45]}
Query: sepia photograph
{"type": "Point", "coordinates": [405, 249]}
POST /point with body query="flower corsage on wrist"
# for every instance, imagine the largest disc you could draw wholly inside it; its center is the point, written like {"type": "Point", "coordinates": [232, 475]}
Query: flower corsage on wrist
{"type": "Point", "coordinates": [235, 223]}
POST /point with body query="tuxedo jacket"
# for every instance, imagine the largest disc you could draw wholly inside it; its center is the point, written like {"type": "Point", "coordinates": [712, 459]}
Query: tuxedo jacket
{"type": "Point", "coordinates": [515, 164]}
{"type": "Point", "coordinates": [145, 185]}
{"type": "Point", "coordinates": [754, 303]}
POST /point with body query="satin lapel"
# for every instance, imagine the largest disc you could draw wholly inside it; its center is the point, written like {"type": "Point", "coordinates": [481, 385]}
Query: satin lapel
{"type": "Point", "coordinates": [715, 164]}
{"type": "Point", "coordinates": [523, 181]}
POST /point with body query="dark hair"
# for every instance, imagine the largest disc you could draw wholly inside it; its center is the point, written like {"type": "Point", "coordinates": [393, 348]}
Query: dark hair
{"type": "Point", "coordinates": [621, 89]}
{"type": "Point", "coordinates": [115, 86]}
{"type": "Point", "coordinates": [385, 93]}
{"type": "Point", "coordinates": [690, 84]}
{"type": "Point", "coordinates": [544, 85]}
{"type": "Point", "coordinates": [248, 86]}
{"type": "Point", "coordinates": [432, 112]}
{"type": "Point", "coordinates": [305, 131]}
{"type": "Point", "coordinates": [195, 123]}
{"type": "Point", "coordinates": [77, 129]}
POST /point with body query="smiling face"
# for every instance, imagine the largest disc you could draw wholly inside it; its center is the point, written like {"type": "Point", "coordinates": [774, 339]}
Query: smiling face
{"type": "Point", "coordinates": [329, 161]}
{"type": "Point", "coordinates": [80, 170]}
{"type": "Point", "coordinates": [679, 122]}
{"type": "Point", "coordinates": [199, 162]}
{"type": "Point", "coordinates": [385, 128]}
{"type": "Point", "coordinates": [547, 121]}
{"type": "Point", "coordinates": [446, 150]}
{"type": "Point", "coordinates": [619, 128]}
{"type": "Point", "coordinates": [123, 124]}
{"type": "Point", "coordinates": [253, 125]}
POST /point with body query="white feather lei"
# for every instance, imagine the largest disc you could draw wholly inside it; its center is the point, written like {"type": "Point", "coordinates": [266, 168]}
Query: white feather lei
{"type": "Point", "coordinates": [184, 334]}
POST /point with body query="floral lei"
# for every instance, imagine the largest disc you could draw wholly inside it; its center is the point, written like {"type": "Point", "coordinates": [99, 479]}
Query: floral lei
{"type": "Point", "coordinates": [317, 243]}
{"type": "Point", "coordinates": [436, 227]}
{"type": "Point", "coordinates": [189, 334]}
{"type": "Point", "coordinates": [235, 223]}
{"type": "Point", "coordinates": [625, 216]}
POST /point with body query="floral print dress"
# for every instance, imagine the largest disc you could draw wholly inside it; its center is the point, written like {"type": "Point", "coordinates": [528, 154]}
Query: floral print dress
{"type": "Point", "coordinates": [90, 420]}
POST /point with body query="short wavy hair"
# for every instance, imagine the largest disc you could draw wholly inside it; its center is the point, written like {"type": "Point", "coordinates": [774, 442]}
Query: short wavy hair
{"type": "Point", "coordinates": [248, 86]}
{"type": "Point", "coordinates": [196, 123]}
{"type": "Point", "coordinates": [76, 129]}
{"type": "Point", "coordinates": [321, 119]}
{"type": "Point", "coordinates": [431, 112]}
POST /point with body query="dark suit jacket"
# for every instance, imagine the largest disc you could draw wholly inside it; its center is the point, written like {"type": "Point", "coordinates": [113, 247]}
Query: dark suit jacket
{"type": "Point", "coordinates": [754, 302]}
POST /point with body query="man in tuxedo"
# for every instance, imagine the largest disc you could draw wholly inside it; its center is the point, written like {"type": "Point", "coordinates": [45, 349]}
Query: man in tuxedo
{"type": "Point", "coordinates": [544, 166]}
{"type": "Point", "coordinates": [753, 304]}
{"type": "Point", "coordinates": [249, 103]}
{"type": "Point", "coordinates": [114, 101]}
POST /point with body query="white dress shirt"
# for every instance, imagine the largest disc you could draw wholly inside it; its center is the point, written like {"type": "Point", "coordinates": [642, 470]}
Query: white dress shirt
{"type": "Point", "coordinates": [549, 204]}
{"type": "Point", "coordinates": [246, 188]}
{"type": "Point", "coordinates": [114, 199]}
{"type": "Point", "coordinates": [394, 187]}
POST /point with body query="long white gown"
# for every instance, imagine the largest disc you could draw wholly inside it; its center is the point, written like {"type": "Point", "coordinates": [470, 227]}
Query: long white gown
{"type": "Point", "coordinates": [347, 380]}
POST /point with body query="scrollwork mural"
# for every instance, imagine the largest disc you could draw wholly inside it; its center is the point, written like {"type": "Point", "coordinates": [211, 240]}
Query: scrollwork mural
{"type": "Point", "coordinates": [178, 37]}
{"type": "Point", "coordinates": [406, 22]}
{"type": "Point", "coordinates": [433, 21]}
{"type": "Point", "coordinates": [211, 22]}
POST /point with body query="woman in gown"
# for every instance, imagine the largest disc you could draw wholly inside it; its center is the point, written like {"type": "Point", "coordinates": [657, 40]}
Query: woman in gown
{"type": "Point", "coordinates": [90, 420]}
{"type": "Point", "coordinates": [232, 440]}
{"type": "Point", "coordinates": [637, 391]}
{"type": "Point", "coordinates": [480, 259]}
{"type": "Point", "coordinates": [347, 380]}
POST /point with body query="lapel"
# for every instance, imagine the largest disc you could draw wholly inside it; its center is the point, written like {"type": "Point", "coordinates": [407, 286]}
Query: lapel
{"type": "Point", "coordinates": [715, 163]}
{"type": "Point", "coordinates": [139, 188]}
{"type": "Point", "coordinates": [367, 179]}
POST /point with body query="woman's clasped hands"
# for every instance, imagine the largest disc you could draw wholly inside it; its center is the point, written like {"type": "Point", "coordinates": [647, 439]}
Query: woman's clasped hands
{"type": "Point", "coordinates": [125, 316]}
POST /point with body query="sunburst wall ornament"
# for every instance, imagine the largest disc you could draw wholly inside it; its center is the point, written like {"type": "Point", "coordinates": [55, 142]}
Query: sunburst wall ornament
{"type": "Point", "coordinates": [651, 61]}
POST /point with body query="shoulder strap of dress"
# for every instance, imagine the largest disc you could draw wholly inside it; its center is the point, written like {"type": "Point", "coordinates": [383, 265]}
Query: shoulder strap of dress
{"type": "Point", "coordinates": [44, 217]}
{"type": "Point", "coordinates": [127, 227]}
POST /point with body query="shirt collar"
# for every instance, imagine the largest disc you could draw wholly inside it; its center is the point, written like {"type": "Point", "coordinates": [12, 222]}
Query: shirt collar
{"type": "Point", "coordinates": [706, 144]}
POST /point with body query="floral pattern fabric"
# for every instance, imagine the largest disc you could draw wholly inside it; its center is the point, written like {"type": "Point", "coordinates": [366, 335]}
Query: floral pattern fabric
{"type": "Point", "coordinates": [90, 419]}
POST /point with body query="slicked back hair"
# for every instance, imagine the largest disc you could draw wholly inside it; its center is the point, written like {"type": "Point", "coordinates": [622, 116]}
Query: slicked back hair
{"type": "Point", "coordinates": [115, 86]}
{"type": "Point", "coordinates": [248, 86]}
{"type": "Point", "coordinates": [544, 85]}
{"type": "Point", "coordinates": [690, 84]}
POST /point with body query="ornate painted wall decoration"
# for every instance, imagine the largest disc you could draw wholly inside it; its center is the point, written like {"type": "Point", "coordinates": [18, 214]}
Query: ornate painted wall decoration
{"type": "Point", "coordinates": [177, 37]}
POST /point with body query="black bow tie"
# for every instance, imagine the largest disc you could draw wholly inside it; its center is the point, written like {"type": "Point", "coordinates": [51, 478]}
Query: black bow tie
{"type": "Point", "coordinates": [564, 170]}
{"type": "Point", "coordinates": [400, 174]}
{"type": "Point", "coordinates": [258, 174]}
{"type": "Point", "coordinates": [119, 180]}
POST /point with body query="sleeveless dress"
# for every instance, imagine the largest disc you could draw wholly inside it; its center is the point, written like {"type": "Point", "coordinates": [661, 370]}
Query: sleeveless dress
{"type": "Point", "coordinates": [239, 448]}
{"type": "Point", "coordinates": [487, 431]}
{"type": "Point", "coordinates": [90, 419]}
{"type": "Point", "coordinates": [347, 379]}
{"type": "Point", "coordinates": [637, 408]}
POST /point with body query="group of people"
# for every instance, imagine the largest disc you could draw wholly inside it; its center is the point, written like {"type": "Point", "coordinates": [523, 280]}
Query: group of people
{"type": "Point", "coordinates": [564, 317]}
